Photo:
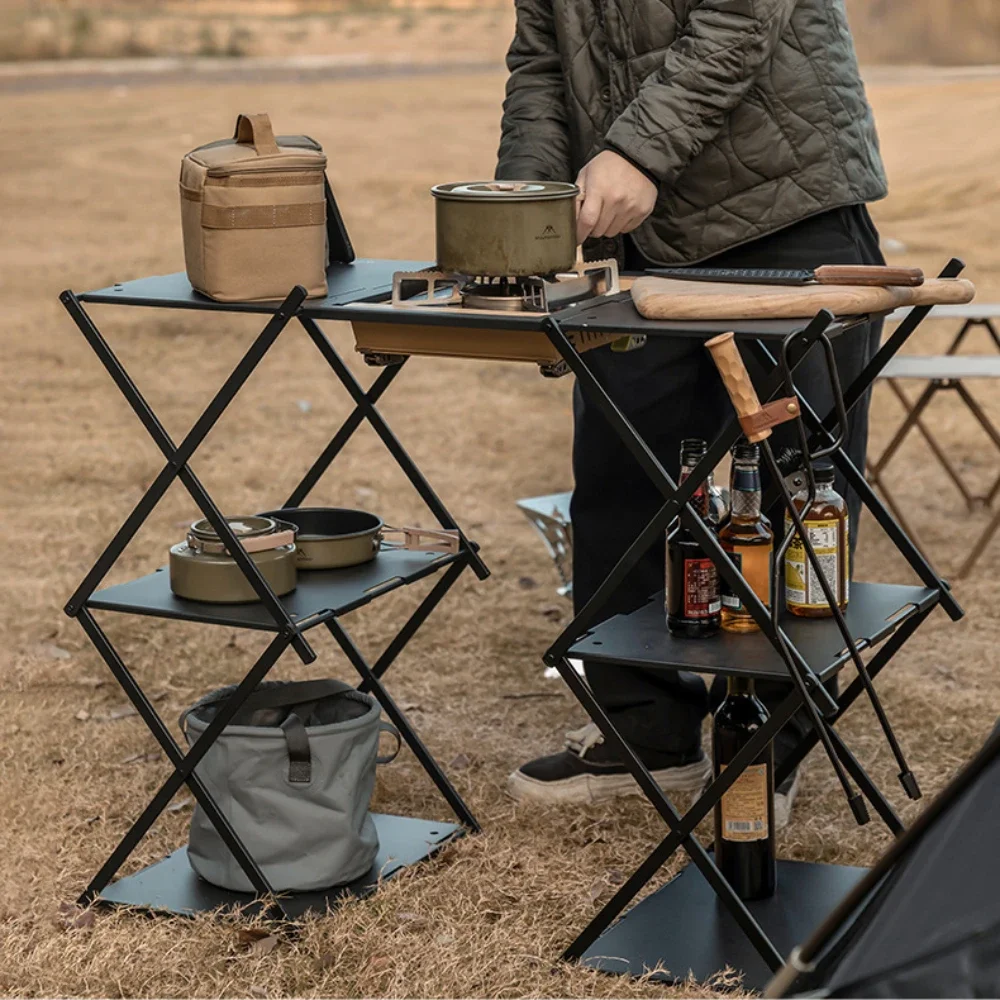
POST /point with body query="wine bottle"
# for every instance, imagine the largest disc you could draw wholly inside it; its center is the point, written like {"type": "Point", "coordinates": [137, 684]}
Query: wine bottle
{"type": "Point", "coordinates": [694, 602]}
{"type": "Point", "coordinates": [744, 817]}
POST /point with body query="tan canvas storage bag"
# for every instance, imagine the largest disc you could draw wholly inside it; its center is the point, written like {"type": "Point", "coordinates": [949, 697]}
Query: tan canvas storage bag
{"type": "Point", "coordinates": [253, 210]}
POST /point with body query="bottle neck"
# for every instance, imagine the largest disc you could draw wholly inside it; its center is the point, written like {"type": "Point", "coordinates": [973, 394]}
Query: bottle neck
{"type": "Point", "coordinates": [745, 492]}
{"type": "Point", "coordinates": [739, 685]}
{"type": "Point", "coordinates": [699, 499]}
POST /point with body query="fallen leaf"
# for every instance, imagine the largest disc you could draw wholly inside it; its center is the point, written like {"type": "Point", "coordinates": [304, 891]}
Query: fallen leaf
{"type": "Point", "coordinates": [92, 682]}
{"type": "Point", "coordinates": [410, 706]}
{"type": "Point", "coordinates": [459, 762]}
{"type": "Point", "coordinates": [553, 612]}
{"type": "Point", "coordinates": [527, 583]}
{"type": "Point", "coordinates": [258, 991]}
{"type": "Point", "coordinates": [82, 715]}
{"type": "Point", "coordinates": [248, 936]}
{"type": "Point", "coordinates": [263, 947]}
{"type": "Point", "coordinates": [597, 889]}
{"type": "Point", "coordinates": [73, 917]}
{"type": "Point", "coordinates": [176, 807]}
{"type": "Point", "coordinates": [615, 877]}
{"type": "Point", "coordinates": [53, 652]}
{"type": "Point", "coordinates": [142, 758]}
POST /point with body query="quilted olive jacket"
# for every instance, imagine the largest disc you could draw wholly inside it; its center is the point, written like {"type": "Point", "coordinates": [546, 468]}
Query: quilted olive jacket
{"type": "Point", "coordinates": [750, 114]}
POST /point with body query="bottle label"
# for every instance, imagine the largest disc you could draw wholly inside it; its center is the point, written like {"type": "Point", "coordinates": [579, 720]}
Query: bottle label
{"type": "Point", "coordinates": [802, 585]}
{"type": "Point", "coordinates": [755, 563]}
{"type": "Point", "coordinates": [701, 589]}
{"type": "Point", "coordinates": [744, 806]}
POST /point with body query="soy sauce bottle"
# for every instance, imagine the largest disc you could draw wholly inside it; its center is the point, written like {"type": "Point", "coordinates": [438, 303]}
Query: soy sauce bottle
{"type": "Point", "coordinates": [694, 601]}
{"type": "Point", "coordinates": [744, 818]}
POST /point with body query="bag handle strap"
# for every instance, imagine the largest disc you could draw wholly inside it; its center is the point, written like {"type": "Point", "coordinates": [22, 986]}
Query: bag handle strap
{"type": "Point", "coordinates": [297, 745]}
{"type": "Point", "coordinates": [256, 130]}
{"type": "Point", "coordinates": [388, 727]}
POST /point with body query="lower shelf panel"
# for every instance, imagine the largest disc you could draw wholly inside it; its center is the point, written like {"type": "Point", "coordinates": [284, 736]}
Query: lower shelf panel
{"type": "Point", "coordinates": [172, 886]}
{"type": "Point", "coordinates": [683, 929]}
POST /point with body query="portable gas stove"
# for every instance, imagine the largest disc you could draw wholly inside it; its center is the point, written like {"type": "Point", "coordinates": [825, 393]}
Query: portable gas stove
{"type": "Point", "coordinates": [434, 313]}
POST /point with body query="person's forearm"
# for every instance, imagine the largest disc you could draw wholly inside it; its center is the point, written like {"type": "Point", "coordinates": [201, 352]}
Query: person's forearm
{"type": "Point", "coordinates": [706, 73]}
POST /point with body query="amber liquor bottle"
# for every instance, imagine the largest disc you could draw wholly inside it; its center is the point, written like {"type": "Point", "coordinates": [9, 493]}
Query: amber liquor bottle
{"type": "Point", "coordinates": [744, 817]}
{"type": "Point", "coordinates": [827, 525]}
{"type": "Point", "coordinates": [694, 602]}
{"type": "Point", "coordinates": [748, 538]}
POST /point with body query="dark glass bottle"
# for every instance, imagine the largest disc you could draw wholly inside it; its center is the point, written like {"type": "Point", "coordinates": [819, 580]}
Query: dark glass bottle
{"type": "Point", "coordinates": [748, 538]}
{"type": "Point", "coordinates": [744, 819]}
{"type": "Point", "coordinates": [694, 603]}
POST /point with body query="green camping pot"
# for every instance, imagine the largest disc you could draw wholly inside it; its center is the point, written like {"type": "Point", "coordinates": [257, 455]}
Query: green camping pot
{"type": "Point", "coordinates": [505, 229]}
{"type": "Point", "coordinates": [332, 537]}
{"type": "Point", "coordinates": [201, 568]}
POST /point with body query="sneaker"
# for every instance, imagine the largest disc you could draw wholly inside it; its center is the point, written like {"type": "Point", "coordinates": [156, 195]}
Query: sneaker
{"type": "Point", "coordinates": [784, 799]}
{"type": "Point", "coordinates": [587, 772]}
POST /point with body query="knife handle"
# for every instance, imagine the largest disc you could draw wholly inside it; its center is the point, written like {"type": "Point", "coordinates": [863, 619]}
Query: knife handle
{"type": "Point", "coordinates": [868, 274]}
{"type": "Point", "coordinates": [728, 360]}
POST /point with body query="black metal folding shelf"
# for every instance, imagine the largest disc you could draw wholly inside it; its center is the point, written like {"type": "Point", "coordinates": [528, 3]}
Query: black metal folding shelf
{"type": "Point", "coordinates": [171, 885]}
{"type": "Point", "coordinates": [641, 639]}
{"type": "Point", "coordinates": [697, 923]}
{"type": "Point", "coordinates": [320, 598]}
{"type": "Point", "coordinates": [320, 594]}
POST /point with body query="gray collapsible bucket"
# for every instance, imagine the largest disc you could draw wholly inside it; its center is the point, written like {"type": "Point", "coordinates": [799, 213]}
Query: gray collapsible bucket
{"type": "Point", "coordinates": [294, 774]}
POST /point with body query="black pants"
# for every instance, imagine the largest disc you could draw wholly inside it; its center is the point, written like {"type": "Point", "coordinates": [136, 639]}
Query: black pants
{"type": "Point", "coordinates": [670, 390]}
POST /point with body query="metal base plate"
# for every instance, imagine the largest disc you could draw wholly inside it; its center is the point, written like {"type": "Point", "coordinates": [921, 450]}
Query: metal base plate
{"type": "Point", "coordinates": [171, 885]}
{"type": "Point", "coordinates": [685, 930]}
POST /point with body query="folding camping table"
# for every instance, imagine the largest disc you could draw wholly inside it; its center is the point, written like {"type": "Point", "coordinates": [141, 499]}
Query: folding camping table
{"type": "Point", "coordinates": [944, 372]}
{"type": "Point", "coordinates": [696, 924]}
{"type": "Point", "coordinates": [320, 599]}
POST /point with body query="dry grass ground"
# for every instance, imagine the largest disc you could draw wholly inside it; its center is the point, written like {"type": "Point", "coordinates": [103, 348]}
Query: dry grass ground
{"type": "Point", "coordinates": [87, 184]}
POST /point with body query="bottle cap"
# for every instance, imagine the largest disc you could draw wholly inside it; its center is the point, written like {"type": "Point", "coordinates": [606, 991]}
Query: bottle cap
{"type": "Point", "coordinates": [692, 450]}
{"type": "Point", "coordinates": [745, 452]}
{"type": "Point", "coordinates": [824, 472]}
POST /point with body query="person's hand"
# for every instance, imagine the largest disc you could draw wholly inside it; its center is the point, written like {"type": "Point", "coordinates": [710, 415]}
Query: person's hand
{"type": "Point", "coordinates": [615, 197]}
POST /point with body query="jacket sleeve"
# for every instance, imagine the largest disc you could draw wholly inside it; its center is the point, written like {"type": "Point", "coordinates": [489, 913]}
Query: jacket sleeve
{"type": "Point", "coordinates": [534, 143]}
{"type": "Point", "coordinates": [706, 73]}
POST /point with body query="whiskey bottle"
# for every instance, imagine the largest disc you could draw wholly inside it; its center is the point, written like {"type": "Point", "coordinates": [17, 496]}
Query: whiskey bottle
{"type": "Point", "coordinates": [826, 523]}
{"type": "Point", "coordinates": [744, 817]}
{"type": "Point", "coordinates": [748, 538]}
{"type": "Point", "coordinates": [694, 602]}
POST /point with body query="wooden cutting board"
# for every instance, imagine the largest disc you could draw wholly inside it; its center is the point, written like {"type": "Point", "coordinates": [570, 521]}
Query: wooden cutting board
{"type": "Point", "coordinates": [672, 298]}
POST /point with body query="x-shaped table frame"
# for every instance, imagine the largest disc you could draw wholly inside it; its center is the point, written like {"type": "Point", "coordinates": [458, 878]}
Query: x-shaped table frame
{"type": "Point", "coordinates": [677, 504]}
{"type": "Point", "coordinates": [289, 632]}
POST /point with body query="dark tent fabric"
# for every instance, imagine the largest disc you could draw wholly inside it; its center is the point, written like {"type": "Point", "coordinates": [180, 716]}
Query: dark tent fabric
{"type": "Point", "coordinates": [932, 928]}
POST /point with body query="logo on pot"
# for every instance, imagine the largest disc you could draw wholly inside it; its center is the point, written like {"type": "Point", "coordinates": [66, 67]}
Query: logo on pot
{"type": "Point", "coordinates": [548, 233]}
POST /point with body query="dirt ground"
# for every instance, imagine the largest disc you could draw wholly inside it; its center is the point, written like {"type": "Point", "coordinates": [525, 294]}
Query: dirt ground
{"type": "Point", "coordinates": [87, 181]}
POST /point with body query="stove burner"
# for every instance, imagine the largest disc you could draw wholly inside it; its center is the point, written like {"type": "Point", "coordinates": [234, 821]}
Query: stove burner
{"type": "Point", "coordinates": [504, 294]}
{"type": "Point", "coordinates": [433, 289]}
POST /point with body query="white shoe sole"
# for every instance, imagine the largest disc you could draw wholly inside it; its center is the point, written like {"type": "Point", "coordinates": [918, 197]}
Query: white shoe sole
{"type": "Point", "coordinates": [594, 788]}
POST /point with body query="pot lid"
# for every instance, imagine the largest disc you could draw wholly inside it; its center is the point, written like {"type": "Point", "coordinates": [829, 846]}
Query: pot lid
{"type": "Point", "coordinates": [242, 527]}
{"type": "Point", "coordinates": [505, 191]}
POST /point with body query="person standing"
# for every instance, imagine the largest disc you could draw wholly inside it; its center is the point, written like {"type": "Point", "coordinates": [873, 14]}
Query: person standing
{"type": "Point", "coordinates": [726, 133]}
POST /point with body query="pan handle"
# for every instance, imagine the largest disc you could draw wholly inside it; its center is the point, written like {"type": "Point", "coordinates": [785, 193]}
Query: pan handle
{"type": "Point", "coordinates": [423, 539]}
